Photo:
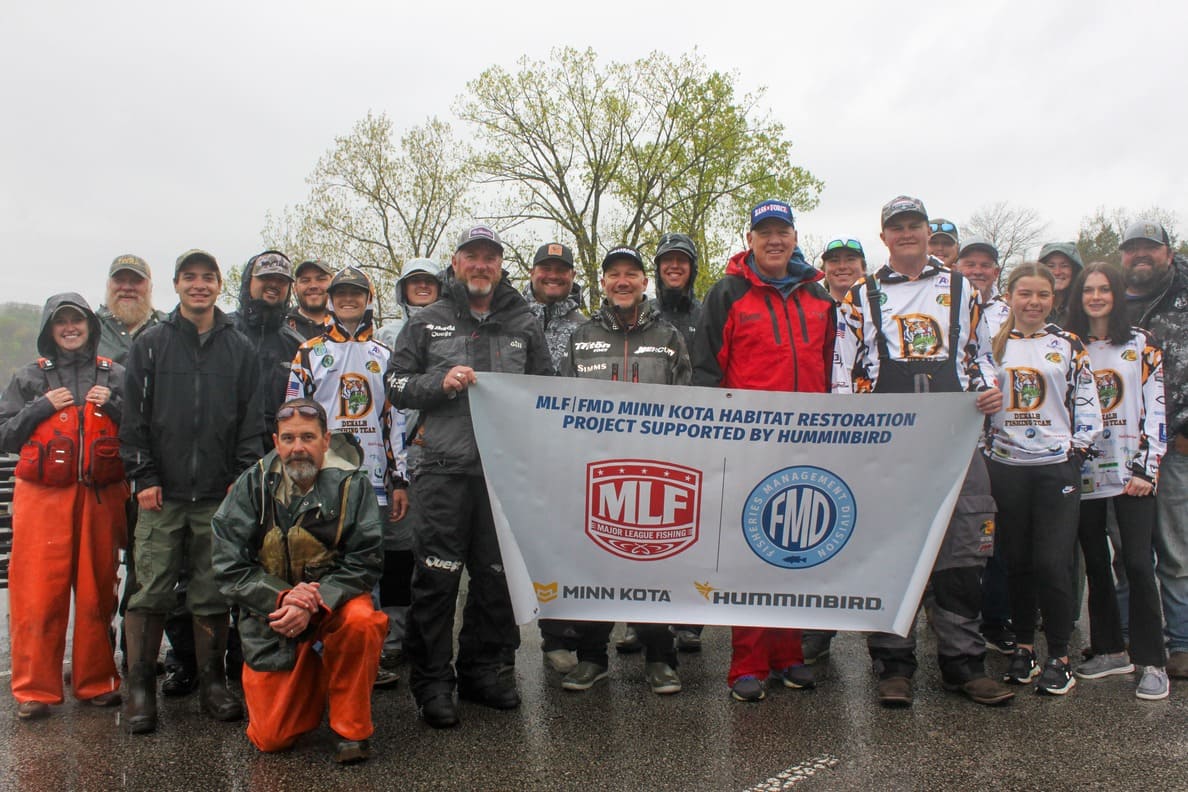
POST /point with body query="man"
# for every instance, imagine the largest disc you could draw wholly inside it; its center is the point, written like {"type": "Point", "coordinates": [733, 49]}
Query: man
{"type": "Point", "coordinates": [192, 423]}
{"type": "Point", "coordinates": [419, 285]}
{"type": "Point", "coordinates": [944, 241]}
{"type": "Point", "coordinates": [1157, 300]}
{"type": "Point", "coordinates": [776, 290]}
{"type": "Point", "coordinates": [978, 263]}
{"type": "Point", "coordinates": [552, 297]}
{"type": "Point", "coordinates": [297, 549]}
{"type": "Point", "coordinates": [1064, 260]}
{"type": "Point", "coordinates": [480, 324]}
{"type": "Point", "coordinates": [342, 370]}
{"type": "Point", "coordinates": [918, 329]}
{"type": "Point", "coordinates": [310, 281]}
{"type": "Point", "coordinates": [263, 303]}
{"type": "Point", "coordinates": [128, 308]}
{"type": "Point", "coordinates": [626, 341]}
{"type": "Point", "coordinates": [555, 301]}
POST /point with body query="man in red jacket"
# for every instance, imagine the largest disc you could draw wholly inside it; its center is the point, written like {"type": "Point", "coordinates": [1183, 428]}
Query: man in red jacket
{"type": "Point", "coordinates": [767, 325]}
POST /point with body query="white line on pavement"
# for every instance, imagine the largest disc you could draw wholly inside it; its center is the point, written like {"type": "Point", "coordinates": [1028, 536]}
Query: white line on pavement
{"type": "Point", "coordinates": [786, 779]}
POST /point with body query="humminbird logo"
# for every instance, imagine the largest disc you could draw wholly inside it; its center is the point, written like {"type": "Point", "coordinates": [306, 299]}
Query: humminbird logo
{"type": "Point", "coordinates": [774, 599]}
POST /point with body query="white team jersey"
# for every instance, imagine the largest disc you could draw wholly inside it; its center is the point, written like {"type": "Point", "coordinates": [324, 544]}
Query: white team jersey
{"type": "Point", "coordinates": [346, 377]}
{"type": "Point", "coordinates": [1049, 400]}
{"type": "Point", "coordinates": [915, 323]}
{"type": "Point", "coordinates": [995, 313]}
{"type": "Point", "coordinates": [844, 349]}
{"type": "Point", "coordinates": [1130, 387]}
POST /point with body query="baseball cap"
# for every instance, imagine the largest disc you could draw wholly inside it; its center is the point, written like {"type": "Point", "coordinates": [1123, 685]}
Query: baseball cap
{"type": "Point", "coordinates": [1145, 229]}
{"type": "Point", "coordinates": [942, 227]}
{"type": "Point", "coordinates": [271, 262]}
{"type": "Point", "coordinates": [903, 204]}
{"type": "Point", "coordinates": [979, 243]}
{"type": "Point", "coordinates": [316, 264]}
{"type": "Point", "coordinates": [350, 276]}
{"type": "Point", "coordinates": [479, 233]}
{"type": "Point", "coordinates": [553, 251]}
{"type": "Point", "coordinates": [765, 210]}
{"type": "Point", "coordinates": [622, 252]}
{"type": "Point", "coordinates": [680, 243]}
{"type": "Point", "coordinates": [1067, 248]}
{"type": "Point", "coordinates": [196, 255]}
{"type": "Point", "coordinates": [131, 264]}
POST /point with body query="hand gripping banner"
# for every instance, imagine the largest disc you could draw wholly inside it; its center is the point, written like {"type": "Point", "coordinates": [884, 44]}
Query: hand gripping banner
{"type": "Point", "coordinates": [682, 505]}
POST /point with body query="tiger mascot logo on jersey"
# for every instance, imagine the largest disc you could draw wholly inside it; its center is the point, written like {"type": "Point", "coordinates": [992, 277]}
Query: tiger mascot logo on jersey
{"type": "Point", "coordinates": [919, 335]}
{"type": "Point", "coordinates": [1027, 389]}
{"type": "Point", "coordinates": [1109, 389]}
{"type": "Point", "coordinates": [354, 396]}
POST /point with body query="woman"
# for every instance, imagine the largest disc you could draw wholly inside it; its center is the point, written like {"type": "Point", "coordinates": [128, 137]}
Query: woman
{"type": "Point", "coordinates": [61, 413]}
{"type": "Point", "coordinates": [1036, 446]}
{"type": "Point", "coordinates": [1128, 368]}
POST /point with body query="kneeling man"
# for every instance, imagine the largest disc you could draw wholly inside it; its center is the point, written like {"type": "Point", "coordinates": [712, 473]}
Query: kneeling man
{"type": "Point", "coordinates": [298, 548]}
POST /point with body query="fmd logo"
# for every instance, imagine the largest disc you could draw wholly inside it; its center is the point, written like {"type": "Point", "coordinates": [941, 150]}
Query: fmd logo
{"type": "Point", "coordinates": [642, 509]}
{"type": "Point", "coordinates": [799, 517]}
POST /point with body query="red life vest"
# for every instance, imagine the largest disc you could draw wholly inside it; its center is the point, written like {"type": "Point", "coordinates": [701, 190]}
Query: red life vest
{"type": "Point", "coordinates": [78, 443]}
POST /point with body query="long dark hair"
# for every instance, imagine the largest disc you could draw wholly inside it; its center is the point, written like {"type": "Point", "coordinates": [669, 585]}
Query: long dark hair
{"type": "Point", "coordinates": [1118, 330]}
{"type": "Point", "coordinates": [1027, 269]}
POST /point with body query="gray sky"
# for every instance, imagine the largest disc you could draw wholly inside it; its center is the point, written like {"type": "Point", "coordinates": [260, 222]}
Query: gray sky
{"type": "Point", "coordinates": [150, 128]}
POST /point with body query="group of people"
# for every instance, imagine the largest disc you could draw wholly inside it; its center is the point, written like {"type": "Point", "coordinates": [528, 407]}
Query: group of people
{"type": "Point", "coordinates": [308, 485]}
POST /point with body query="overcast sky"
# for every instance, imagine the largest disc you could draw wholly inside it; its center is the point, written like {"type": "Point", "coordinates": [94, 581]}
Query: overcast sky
{"type": "Point", "coordinates": [152, 127]}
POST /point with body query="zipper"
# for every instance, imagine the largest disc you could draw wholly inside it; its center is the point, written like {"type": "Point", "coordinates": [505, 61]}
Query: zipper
{"type": "Point", "coordinates": [791, 341]}
{"type": "Point", "coordinates": [197, 419]}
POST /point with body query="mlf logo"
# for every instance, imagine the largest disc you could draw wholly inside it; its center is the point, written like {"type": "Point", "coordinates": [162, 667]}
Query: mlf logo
{"type": "Point", "coordinates": [642, 509]}
{"type": "Point", "coordinates": [799, 517]}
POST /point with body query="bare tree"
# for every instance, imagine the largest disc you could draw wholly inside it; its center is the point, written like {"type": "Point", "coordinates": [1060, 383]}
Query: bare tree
{"type": "Point", "coordinates": [1101, 232]}
{"type": "Point", "coordinates": [1012, 229]}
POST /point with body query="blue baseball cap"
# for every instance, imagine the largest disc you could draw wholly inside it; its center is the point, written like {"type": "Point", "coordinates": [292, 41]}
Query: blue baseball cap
{"type": "Point", "coordinates": [766, 210]}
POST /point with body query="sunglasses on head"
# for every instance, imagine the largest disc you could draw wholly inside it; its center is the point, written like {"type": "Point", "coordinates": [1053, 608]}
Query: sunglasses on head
{"type": "Point", "coordinates": [938, 227]}
{"type": "Point", "coordinates": [304, 410]}
{"type": "Point", "coordinates": [849, 244]}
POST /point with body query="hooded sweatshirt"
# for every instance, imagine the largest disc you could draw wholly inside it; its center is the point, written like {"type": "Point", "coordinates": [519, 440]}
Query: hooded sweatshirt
{"type": "Point", "coordinates": [679, 307]}
{"type": "Point", "coordinates": [392, 327]}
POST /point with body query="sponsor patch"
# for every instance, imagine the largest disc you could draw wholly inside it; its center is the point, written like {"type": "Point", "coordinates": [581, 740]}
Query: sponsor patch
{"type": "Point", "coordinates": [545, 592]}
{"type": "Point", "coordinates": [799, 517]}
{"type": "Point", "coordinates": [642, 509]}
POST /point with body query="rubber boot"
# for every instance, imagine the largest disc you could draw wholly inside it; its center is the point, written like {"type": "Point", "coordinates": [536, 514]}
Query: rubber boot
{"type": "Point", "coordinates": [210, 645]}
{"type": "Point", "coordinates": [144, 631]}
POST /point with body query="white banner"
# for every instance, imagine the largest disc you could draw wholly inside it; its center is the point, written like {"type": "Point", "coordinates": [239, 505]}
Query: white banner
{"type": "Point", "coordinates": [651, 503]}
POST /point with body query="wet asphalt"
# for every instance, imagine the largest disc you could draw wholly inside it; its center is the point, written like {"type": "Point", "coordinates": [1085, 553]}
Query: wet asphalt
{"type": "Point", "coordinates": [620, 736]}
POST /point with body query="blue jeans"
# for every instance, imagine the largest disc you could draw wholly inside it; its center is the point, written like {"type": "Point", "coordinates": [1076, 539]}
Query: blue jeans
{"type": "Point", "coordinates": [1171, 548]}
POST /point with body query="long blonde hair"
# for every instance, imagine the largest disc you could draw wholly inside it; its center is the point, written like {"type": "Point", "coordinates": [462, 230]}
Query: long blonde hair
{"type": "Point", "coordinates": [1026, 269]}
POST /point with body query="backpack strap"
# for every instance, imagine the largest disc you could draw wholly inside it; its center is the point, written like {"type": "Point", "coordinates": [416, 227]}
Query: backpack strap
{"type": "Point", "coordinates": [52, 375]}
{"type": "Point", "coordinates": [876, 316]}
{"type": "Point", "coordinates": [102, 371]}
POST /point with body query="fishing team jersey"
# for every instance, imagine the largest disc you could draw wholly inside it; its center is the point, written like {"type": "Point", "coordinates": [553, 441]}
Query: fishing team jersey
{"type": "Point", "coordinates": [915, 317]}
{"type": "Point", "coordinates": [1049, 400]}
{"type": "Point", "coordinates": [1130, 387]}
{"type": "Point", "coordinates": [844, 348]}
{"type": "Point", "coordinates": [346, 376]}
{"type": "Point", "coordinates": [995, 313]}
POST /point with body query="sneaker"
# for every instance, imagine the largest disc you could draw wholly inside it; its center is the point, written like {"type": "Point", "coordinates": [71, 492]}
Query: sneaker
{"type": "Point", "coordinates": [1000, 638]}
{"type": "Point", "coordinates": [1056, 679]}
{"type": "Point", "coordinates": [385, 679]}
{"type": "Point", "coordinates": [1104, 665]}
{"type": "Point", "coordinates": [799, 677]}
{"type": "Point", "coordinates": [815, 646]}
{"type": "Point", "coordinates": [561, 660]}
{"type": "Point", "coordinates": [1153, 685]}
{"type": "Point", "coordinates": [629, 643]}
{"type": "Point", "coordinates": [662, 678]}
{"type": "Point", "coordinates": [583, 676]}
{"type": "Point", "coordinates": [749, 689]}
{"type": "Point", "coordinates": [686, 640]}
{"type": "Point", "coordinates": [1023, 668]}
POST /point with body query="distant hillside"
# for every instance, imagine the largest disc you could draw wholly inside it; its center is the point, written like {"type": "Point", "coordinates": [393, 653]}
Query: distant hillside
{"type": "Point", "coordinates": [19, 323]}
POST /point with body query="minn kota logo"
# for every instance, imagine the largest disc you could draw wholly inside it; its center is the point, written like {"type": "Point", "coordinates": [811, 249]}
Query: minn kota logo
{"type": "Point", "coordinates": [545, 592]}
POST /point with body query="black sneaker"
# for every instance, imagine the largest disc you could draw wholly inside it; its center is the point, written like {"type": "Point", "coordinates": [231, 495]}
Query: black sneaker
{"type": "Point", "coordinates": [1022, 669]}
{"type": "Point", "coordinates": [1057, 678]}
{"type": "Point", "coordinates": [1000, 638]}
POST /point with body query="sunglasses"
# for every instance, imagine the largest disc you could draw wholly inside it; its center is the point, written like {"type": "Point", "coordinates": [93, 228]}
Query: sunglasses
{"type": "Point", "coordinates": [848, 244]}
{"type": "Point", "coordinates": [304, 410]}
{"type": "Point", "coordinates": [938, 227]}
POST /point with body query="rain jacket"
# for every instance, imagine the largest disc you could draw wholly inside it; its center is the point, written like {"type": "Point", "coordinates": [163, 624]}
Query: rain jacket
{"type": "Point", "coordinates": [558, 320]}
{"type": "Point", "coordinates": [651, 350]}
{"type": "Point", "coordinates": [679, 307]}
{"type": "Point", "coordinates": [447, 334]}
{"type": "Point", "coordinates": [268, 537]}
{"type": "Point", "coordinates": [392, 327]}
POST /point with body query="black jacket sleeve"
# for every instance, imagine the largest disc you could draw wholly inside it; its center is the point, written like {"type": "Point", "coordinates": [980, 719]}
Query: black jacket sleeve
{"type": "Point", "coordinates": [22, 407]}
{"type": "Point", "coordinates": [135, 443]}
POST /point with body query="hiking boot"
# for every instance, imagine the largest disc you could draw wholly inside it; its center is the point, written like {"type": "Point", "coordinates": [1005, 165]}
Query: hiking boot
{"type": "Point", "coordinates": [1153, 684]}
{"type": "Point", "coordinates": [982, 690]}
{"type": "Point", "coordinates": [499, 694]}
{"type": "Point", "coordinates": [686, 640]}
{"type": "Point", "coordinates": [895, 692]}
{"type": "Point", "coordinates": [33, 710]}
{"type": "Point", "coordinates": [1103, 665]}
{"type": "Point", "coordinates": [438, 710]}
{"type": "Point", "coordinates": [799, 677]}
{"type": "Point", "coordinates": [583, 676]}
{"type": "Point", "coordinates": [1177, 665]}
{"type": "Point", "coordinates": [629, 643]}
{"type": "Point", "coordinates": [350, 751]}
{"type": "Point", "coordinates": [749, 689]}
{"type": "Point", "coordinates": [1022, 669]}
{"type": "Point", "coordinates": [1056, 679]}
{"type": "Point", "coordinates": [662, 678]}
{"type": "Point", "coordinates": [561, 660]}
{"type": "Point", "coordinates": [179, 680]}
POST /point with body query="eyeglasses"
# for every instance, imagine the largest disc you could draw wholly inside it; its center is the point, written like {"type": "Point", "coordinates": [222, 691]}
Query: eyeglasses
{"type": "Point", "coordinates": [849, 244]}
{"type": "Point", "coordinates": [936, 228]}
{"type": "Point", "coordinates": [304, 410]}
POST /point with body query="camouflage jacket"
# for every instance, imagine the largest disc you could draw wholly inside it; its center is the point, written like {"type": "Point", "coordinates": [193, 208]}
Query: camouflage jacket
{"type": "Point", "coordinates": [1166, 317]}
{"type": "Point", "coordinates": [558, 321]}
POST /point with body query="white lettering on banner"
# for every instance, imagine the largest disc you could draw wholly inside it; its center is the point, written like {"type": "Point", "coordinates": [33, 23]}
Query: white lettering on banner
{"type": "Point", "coordinates": [712, 506]}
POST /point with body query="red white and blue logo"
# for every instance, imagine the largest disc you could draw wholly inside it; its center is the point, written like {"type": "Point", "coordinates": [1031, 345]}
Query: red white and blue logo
{"type": "Point", "coordinates": [799, 517]}
{"type": "Point", "coordinates": [642, 509]}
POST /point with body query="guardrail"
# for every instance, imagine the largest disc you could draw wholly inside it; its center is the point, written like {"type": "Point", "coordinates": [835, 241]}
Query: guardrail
{"type": "Point", "coordinates": [7, 463]}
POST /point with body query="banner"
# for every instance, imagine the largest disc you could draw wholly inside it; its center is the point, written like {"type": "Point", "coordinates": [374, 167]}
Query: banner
{"type": "Point", "coordinates": [628, 502]}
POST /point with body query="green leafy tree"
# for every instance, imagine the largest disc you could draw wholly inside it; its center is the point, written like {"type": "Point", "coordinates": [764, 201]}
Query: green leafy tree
{"type": "Point", "coordinates": [19, 326]}
{"type": "Point", "coordinates": [1102, 231]}
{"type": "Point", "coordinates": [606, 154]}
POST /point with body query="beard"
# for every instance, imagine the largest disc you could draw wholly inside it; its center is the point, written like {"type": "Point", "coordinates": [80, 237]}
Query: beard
{"type": "Point", "coordinates": [479, 290]}
{"type": "Point", "coordinates": [302, 470]}
{"type": "Point", "coordinates": [130, 312]}
{"type": "Point", "coordinates": [1144, 281]}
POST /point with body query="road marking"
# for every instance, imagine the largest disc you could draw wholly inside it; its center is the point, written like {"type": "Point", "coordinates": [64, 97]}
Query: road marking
{"type": "Point", "coordinates": [793, 775]}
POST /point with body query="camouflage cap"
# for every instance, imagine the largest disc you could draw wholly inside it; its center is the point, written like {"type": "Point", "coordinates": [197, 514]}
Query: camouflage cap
{"type": "Point", "coordinates": [350, 276]}
{"type": "Point", "coordinates": [902, 204]}
{"type": "Point", "coordinates": [193, 256]}
{"type": "Point", "coordinates": [130, 263]}
{"type": "Point", "coordinates": [272, 262]}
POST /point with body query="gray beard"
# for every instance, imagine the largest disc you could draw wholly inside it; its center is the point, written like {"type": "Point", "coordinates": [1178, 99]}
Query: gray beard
{"type": "Point", "coordinates": [302, 472]}
{"type": "Point", "coordinates": [131, 314]}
